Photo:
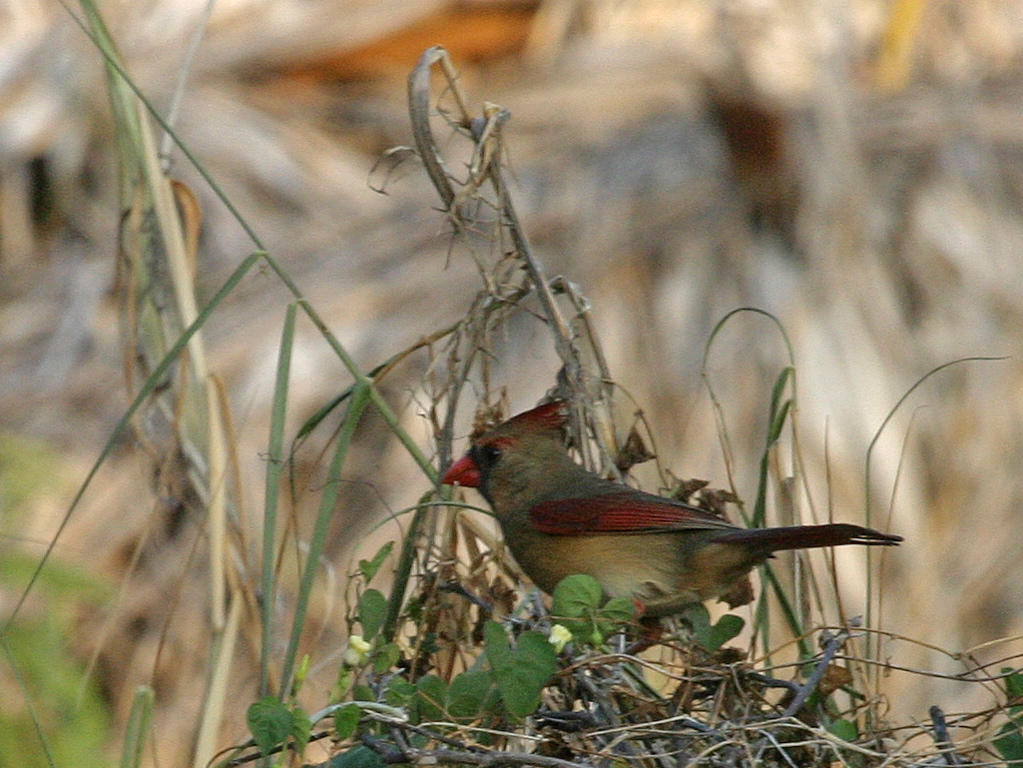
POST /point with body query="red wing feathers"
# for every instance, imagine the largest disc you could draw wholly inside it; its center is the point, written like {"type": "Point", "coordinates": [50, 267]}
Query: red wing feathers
{"type": "Point", "coordinates": [625, 512]}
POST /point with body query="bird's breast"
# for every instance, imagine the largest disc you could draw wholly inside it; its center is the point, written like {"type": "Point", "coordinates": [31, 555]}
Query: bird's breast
{"type": "Point", "coordinates": [664, 571]}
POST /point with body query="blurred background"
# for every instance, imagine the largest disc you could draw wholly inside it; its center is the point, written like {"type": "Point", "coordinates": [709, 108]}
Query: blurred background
{"type": "Point", "coordinates": [854, 168]}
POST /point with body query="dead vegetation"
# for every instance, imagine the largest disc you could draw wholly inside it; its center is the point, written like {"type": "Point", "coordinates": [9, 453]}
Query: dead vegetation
{"type": "Point", "coordinates": [673, 161]}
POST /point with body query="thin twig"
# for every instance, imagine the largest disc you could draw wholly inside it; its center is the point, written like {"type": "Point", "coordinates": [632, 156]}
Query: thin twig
{"type": "Point", "coordinates": [485, 165]}
{"type": "Point", "coordinates": [833, 644]}
{"type": "Point", "coordinates": [492, 759]}
{"type": "Point", "coordinates": [942, 737]}
{"type": "Point", "coordinates": [419, 114]}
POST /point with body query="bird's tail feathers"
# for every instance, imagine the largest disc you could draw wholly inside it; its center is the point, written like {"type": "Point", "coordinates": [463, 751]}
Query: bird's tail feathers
{"type": "Point", "coordinates": [809, 536]}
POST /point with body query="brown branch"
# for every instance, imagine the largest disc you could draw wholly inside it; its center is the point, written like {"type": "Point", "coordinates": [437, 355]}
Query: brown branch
{"type": "Point", "coordinates": [419, 114]}
{"type": "Point", "coordinates": [831, 647]}
{"type": "Point", "coordinates": [486, 135]}
{"type": "Point", "coordinates": [491, 759]}
{"type": "Point", "coordinates": [482, 759]}
{"type": "Point", "coordinates": [942, 737]}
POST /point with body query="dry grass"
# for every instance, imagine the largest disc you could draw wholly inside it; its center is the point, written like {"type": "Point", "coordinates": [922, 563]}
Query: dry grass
{"type": "Point", "coordinates": [882, 229]}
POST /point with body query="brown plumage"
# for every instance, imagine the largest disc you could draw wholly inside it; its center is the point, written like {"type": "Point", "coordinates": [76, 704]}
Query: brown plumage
{"type": "Point", "coordinates": [559, 519]}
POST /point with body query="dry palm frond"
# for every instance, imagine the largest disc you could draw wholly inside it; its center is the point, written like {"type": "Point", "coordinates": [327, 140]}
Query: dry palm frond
{"type": "Point", "coordinates": [888, 246]}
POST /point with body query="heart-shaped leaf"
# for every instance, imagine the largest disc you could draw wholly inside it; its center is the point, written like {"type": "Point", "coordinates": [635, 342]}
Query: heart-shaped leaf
{"type": "Point", "coordinates": [520, 671]}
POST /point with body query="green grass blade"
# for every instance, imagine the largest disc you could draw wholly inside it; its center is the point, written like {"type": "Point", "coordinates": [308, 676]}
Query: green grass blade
{"type": "Point", "coordinates": [274, 469]}
{"type": "Point", "coordinates": [137, 731]}
{"type": "Point", "coordinates": [361, 398]}
{"type": "Point", "coordinates": [403, 571]}
{"type": "Point", "coordinates": [871, 641]}
{"type": "Point", "coordinates": [779, 414]}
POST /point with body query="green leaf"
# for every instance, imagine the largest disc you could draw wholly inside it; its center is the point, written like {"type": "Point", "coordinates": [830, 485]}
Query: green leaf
{"type": "Point", "coordinates": [779, 422]}
{"type": "Point", "coordinates": [536, 663]}
{"type": "Point", "coordinates": [467, 695]}
{"type": "Point", "coordinates": [301, 729]}
{"type": "Point", "coordinates": [346, 720]}
{"type": "Point", "coordinates": [779, 410]}
{"type": "Point", "coordinates": [1009, 743]}
{"type": "Point", "coordinates": [712, 636]}
{"type": "Point", "coordinates": [345, 676]}
{"type": "Point", "coordinates": [271, 722]}
{"type": "Point", "coordinates": [372, 612]}
{"type": "Point", "coordinates": [699, 619]}
{"type": "Point", "coordinates": [576, 596]}
{"type": "Point", "coordinates": [360, 757]}
{"type": "Point", "coordinates": [386, 657]}
{"type": "Point", "coordinates": [431, 693]}
{"type": "Point", "coordinates": [1013, 684]}
{"type": "Point", "coordinates": [399, 692]}
{"type": "Point", "coordinates": [581, 629]}
{"type": "Point", "coordinates": [300, 674]}
{"type": "Point", "coordinates": [619, 609]}
{"type": "Point", "coordinates": [844, 729]}
{"type": "Point", "coordinates": [138, 727]}
{"type": "Point", "coordinates": [362, 692]}
{"type": "Point", "coordinates": [369, 568]}
{"type": "Point", "coordinates": [520, 672]}
{"type": "Point", "coordinates": [728, 627]}
{"type": "Point", "coordinates": [579, 606]}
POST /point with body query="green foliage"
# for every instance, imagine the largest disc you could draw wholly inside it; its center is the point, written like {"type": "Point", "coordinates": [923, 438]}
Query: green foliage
{"type": "Point", "coordinates": [272, 723]}
{"type": "Point", "coordinates": [61, 718]}
{"type": "Point", "coordinates": [521, 670]}
{"type": "Point", "coordinates": [470, 696]}
{"type": "Point", "coordinates": [844, 729]}
{"type": "Point", "coordinates": [70, 717]}
{"type": "Point", "coordinates": [507, 682]}
{"type": "Point", "coordinates": [580, 607]}
{"type": "Point", "coordinates": [712, 637]}
{"type": "Point", "coordinates": [368, 568]}
{"type": "Point", "coordinates": [358, 757]}
{"type": "Point", "coordinates": [372, 612]}
{"type": "Point", "coordinates": [400, 692]}
{"type": "Point", "coordinates": [139, 723]}
{"type": "Point", "coordinates": [1009, 741]}
{"type": "Point", "coordinates": [386, 657]}
{"type": "Point", "coordinates": [346, 720]}
{"type": "Point", "coordinates": [848, 731]}
{"type": "Point", "coordinates": [431, 695]}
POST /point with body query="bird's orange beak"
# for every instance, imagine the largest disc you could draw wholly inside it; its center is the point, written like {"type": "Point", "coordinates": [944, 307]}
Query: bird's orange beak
{"type": "Point", "coordinates": [464, 472]}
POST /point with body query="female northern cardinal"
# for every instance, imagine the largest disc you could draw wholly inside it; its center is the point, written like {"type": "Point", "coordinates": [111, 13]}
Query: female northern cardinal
{"type": "Point", "coordinates": [560, 519]}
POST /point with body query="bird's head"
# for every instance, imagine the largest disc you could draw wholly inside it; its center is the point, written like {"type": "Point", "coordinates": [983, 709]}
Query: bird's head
{"type": "Point", "coordinates": [513, 455]}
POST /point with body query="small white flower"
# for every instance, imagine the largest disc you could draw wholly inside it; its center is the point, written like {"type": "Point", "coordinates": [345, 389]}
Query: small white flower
{"type": "Point", "coordinates": [558, 637]}
{"type": "Point", "coordinates": [357, 652]}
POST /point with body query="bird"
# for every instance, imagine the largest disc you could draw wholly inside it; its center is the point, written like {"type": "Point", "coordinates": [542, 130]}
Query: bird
{"type": "Point", "coordinates": [559, 519]}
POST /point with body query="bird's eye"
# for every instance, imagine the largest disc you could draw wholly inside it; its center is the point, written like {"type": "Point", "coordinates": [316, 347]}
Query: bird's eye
{"type": "Point", "coordinates": [490, 453]}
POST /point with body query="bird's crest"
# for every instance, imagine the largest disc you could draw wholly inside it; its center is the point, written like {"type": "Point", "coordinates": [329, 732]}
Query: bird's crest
{"type": "Point", "coordinates": [544, 418]}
